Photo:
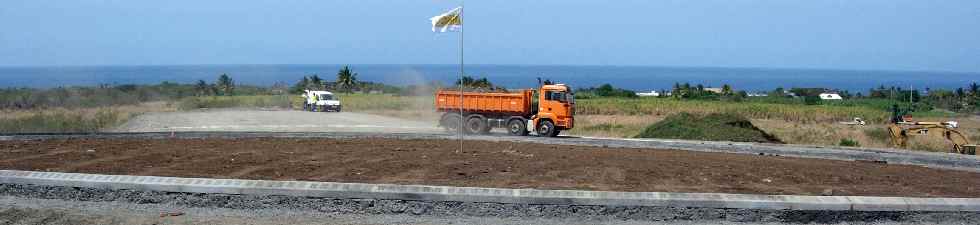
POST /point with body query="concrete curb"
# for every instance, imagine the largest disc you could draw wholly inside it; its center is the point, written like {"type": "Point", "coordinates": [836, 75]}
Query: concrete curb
{"type": "Point", "coordinates": [494, 195]}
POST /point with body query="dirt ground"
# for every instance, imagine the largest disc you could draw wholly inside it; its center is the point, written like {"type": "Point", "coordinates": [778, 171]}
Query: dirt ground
{"type": "Point", "coordinates": [273, 121]}
{"type": "Point", "coordinates": [484, 164]}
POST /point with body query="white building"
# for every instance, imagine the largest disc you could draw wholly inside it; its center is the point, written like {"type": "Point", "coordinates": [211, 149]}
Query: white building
{"type": "Point", "coordinates": [830, 96]}
{"type": "Point", "coordinates": [648, 94]}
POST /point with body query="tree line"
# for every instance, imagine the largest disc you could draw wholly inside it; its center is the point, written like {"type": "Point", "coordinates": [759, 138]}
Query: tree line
{"type": "Point", "coordinates": [102, 95]}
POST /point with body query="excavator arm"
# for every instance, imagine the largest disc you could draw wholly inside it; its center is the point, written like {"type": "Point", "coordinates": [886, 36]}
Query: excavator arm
{"type": "Point", "coordinates": [900, 136]}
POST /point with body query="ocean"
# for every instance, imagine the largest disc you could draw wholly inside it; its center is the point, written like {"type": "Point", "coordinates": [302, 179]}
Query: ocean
{"type": "Point", "coordinates": [638, 78]}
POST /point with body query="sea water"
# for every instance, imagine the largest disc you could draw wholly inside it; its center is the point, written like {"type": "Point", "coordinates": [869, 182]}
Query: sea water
{"type": "Point", "coordinates": [638, 78]}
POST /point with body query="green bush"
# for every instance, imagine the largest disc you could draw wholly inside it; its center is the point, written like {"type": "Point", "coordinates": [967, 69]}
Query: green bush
{"type": "Point", "coordinates": [812, 100]}
{"type": "Point", "coordinates": [712, 127]}
{"type": "Point", "coordinates": [605, 90]}
{"type": "Point", "coordinates": [849, 143]}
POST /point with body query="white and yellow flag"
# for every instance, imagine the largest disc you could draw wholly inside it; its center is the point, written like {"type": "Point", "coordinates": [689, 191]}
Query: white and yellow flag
{"type": "Point", "coordinates": [449, 21]}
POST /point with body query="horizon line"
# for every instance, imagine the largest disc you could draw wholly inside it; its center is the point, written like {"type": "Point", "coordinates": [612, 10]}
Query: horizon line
{"type": "Point", "coordinates": [495, 64]}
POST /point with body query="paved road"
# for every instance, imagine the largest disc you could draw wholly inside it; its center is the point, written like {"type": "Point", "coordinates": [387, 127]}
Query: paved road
{"type": "Point", "coordinates": [273, 121]}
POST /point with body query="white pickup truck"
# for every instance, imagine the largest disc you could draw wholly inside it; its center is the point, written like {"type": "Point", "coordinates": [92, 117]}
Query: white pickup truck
{"type": "Point", "coordinates": [320, 101]}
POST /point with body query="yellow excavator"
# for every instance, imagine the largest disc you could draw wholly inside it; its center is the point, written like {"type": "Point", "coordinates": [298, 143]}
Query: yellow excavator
{"type": "Point", "coordinates": [903, 128]}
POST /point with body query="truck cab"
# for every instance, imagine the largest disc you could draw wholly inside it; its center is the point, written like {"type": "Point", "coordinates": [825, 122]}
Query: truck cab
{"type": "Point", "coordinates": [556, 110]}
{"type": "Point", "coordinates": [320, 101]}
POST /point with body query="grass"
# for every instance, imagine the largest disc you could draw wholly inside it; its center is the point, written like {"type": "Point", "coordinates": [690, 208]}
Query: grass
{"type": "Point", "coordinates": [622, 126]}
{"type": "Point", "coordinates": [751, 110]}
{"type": "Point", "coordinates": [603, 127]}
{"type": "Point", "coordinates": [878, 104]}
{"type": "Point", "coordinates": [250, 101]}
{"type": "Point", "coordinates": [878, 134]}
{"type": "Point", "coordinates": [622, 117]}
{"type": "Point", "coordinates": [711, 127]}
{"type": "Point", "coordinates": [73, 120]}
{"type": "Point", "coordinates": [598, 117]}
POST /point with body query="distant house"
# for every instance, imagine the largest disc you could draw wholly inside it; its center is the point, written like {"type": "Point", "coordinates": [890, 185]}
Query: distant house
{"type": "Point", "coordinates": [715, 90]}
{"type": "Point", "coordinates": [830, 96]}
{"type": "Point", "coordinates": [648, 94]}
{"type": "Point", "coordinates": [758, 94]}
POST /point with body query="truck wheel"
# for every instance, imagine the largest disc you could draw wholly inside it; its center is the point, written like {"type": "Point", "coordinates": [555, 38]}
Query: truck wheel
{"type": "Point", "coordinates": [475, 125]}
{"type": "Point", "coordinates": [517, 128]}
{"type": "Point", "coordinates": [486, 129]}
{"type": "Point", "coordinates": [450, 122]}
{"type": "Point", "coordinates": [547, 129]}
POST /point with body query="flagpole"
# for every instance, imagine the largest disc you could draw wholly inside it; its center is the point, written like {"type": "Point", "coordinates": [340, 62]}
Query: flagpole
{"type": "Point", "coordinates": [461, 72]}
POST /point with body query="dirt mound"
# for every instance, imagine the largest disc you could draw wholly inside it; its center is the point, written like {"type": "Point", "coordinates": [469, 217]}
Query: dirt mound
{"type": "Point", "coordinates": [712, 127]}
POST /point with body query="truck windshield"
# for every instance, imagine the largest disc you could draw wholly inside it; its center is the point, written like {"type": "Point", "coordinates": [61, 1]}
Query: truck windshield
{"type": "Point", "coordinates": [326, 97]}
{"type": "Point", "coordinates": [557, 96]}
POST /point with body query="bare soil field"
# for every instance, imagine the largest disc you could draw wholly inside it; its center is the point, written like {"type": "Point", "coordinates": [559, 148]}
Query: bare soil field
{"type": "Point", "coordinates": [484, 164]}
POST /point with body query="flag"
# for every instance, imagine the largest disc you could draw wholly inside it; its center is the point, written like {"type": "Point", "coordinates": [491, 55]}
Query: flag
{"type": "Point", "coordinates": [449, 21]}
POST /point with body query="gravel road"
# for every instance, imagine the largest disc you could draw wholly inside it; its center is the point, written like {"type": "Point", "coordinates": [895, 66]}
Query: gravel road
{"type": "Point", "coordinates": [272, 121]}
{"type": "Point", "coordinates": [21, 204]}
{"type": "Point", "coordinates": [18, 211]}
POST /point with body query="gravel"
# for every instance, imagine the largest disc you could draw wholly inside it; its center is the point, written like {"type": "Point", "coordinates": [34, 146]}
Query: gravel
{"type": "Point", "coordinates": [271, 121]}
{"type": "Point", "coordinates": [426, 212]}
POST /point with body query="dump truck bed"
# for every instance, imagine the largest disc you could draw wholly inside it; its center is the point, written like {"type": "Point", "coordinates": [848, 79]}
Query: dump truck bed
{"type": "Point", "coordinates": [514, 103]}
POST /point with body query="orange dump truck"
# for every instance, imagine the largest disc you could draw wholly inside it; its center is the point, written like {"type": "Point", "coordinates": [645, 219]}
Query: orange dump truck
{"type": "Point", "coordinates": [517, 111]}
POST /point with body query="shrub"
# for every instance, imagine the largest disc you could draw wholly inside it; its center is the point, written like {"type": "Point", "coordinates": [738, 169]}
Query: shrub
{"type": "Point", "coordinates": [605, 90]}
{"type": "Point", "coordinates": [64, 121]}
{"type": "Point", "coordinates": [812, 100]}
{"type": "Point", "coordinates": [848, 142]}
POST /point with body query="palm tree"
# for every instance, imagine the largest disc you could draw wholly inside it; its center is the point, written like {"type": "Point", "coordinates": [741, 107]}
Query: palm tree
{"type": "Point", "coordinates": [346, 79]}
{"type": "Point", "coordinates": [301, 85]}
{"type": "Point", "coordinates": [226, 85]}
{"type": "Point", "coordinates": [974, 88]}
{"type": "Point", "coordinates": [316, 83]}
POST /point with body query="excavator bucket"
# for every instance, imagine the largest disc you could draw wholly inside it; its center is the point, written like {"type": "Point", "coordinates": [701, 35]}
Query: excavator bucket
{"type": "Point", "coordinates": [898, 136]}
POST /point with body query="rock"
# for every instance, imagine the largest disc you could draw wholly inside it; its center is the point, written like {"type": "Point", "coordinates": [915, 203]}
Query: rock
{"type": "Point", "coordinates": [827, 192]}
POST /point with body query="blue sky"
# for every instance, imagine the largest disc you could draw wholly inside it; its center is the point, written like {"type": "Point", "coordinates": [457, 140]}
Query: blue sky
{"type": "Point", "coordinates": [864, 34]}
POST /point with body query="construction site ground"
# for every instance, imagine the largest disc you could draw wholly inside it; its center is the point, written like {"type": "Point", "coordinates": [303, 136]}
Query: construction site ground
{"type": "Point", "coordinates": [483, 164]}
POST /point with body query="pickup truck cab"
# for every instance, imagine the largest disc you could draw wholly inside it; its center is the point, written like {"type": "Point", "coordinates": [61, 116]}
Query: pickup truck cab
{"type": "Point", "coordinates": [320, 101]}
